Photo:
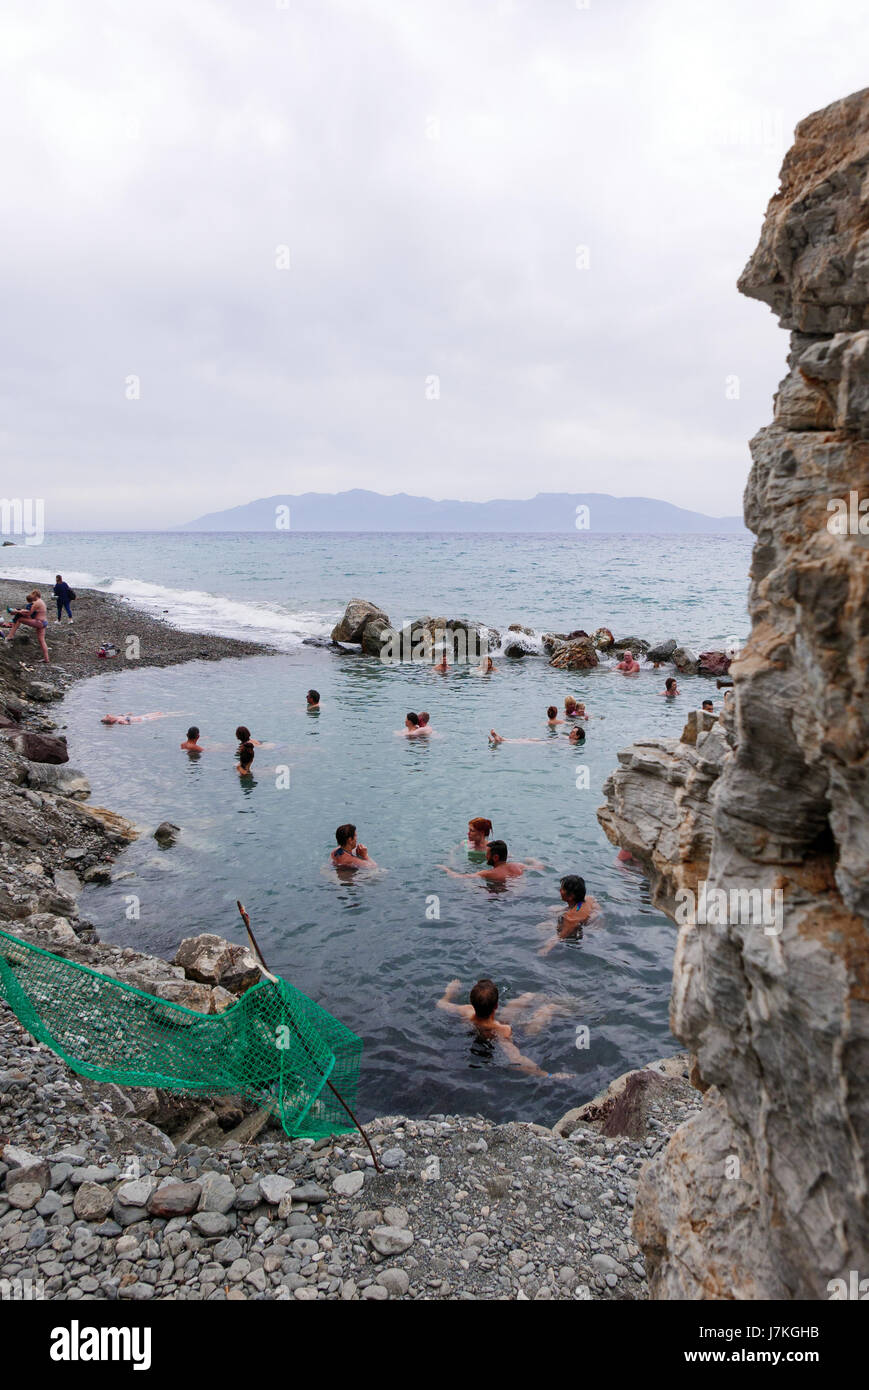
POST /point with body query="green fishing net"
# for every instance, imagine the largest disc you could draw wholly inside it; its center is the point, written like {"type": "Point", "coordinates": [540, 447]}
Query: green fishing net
{"type": "Point", "coordinates": [275, 1046]}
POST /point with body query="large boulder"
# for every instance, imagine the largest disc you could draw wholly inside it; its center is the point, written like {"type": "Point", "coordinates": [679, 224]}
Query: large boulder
{"type": "Point", "coordinates": [375, 634]}
{"type": "Point", "coordinates": [62, 779]}
{"type": "Point", "coordinates": [41, 748]}
{"type": "Point", "coordinates": [213, 961]}
{"type": "Point", "coordinates": [637, 645]}
{"type": "Point", "coordinates": [685, 661]}
{"type": "Point", "coordinates": [579, 655]}
{"type": "Point", "coordinates": [713, 663]}
{"type": "Point", "coordinates": [662, 651]}
{"type": "Point", "coordinates": [602, 638]}
{"type": "Point", "coordinates": [357, 613]}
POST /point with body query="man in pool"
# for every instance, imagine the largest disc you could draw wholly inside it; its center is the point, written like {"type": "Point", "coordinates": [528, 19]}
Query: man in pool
{"type": "Point", "coordinates": [350, 854]}
{"type": "Point", "coordinates": [628, 666]}
{"type": "Point", "coordinates": [191, 744]}
{"type": "Point", "coordinates": [499, 867]}
{"type": "Point", "coordinates": [313, 700]}
{"type": "Point", "coordinates": [552, 716]}
{"type": "Point", "coordinates": [581, 907]}
{"type": "Point", "coordinates": [481, 1013]}
{"type": "Point", "coordinates": [424, 726]}
{"type": "Point", "coordinates": [577, 734]}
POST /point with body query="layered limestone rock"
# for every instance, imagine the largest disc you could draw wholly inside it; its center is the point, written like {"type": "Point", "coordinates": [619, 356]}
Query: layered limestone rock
{"type": "Point", "coordinates": [764, 1194]}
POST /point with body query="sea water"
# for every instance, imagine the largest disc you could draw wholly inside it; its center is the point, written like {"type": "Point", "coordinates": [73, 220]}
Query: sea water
{"type": "Point", "coordinates": [378, 951]}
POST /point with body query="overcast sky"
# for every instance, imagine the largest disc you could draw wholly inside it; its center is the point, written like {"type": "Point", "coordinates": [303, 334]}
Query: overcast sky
{"type": "Point", "coordinates": [431, 167]}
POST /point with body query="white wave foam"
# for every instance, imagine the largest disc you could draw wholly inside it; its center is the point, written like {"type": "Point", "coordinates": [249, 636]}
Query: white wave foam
{"type": "Point", "coordinates": [194, 610]}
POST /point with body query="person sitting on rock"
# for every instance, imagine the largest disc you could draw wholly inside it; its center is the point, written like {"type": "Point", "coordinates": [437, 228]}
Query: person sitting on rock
{"type": "Point", "coordinates": [481, 1011]}
{"type": "Point", "coordinates": [36, 616]}
{"type": "Point", "coordinates": [350, 854]}
{"type": "Point", "coordinates": [671, 689]}
{"type": "Point", "coordinates": [581, 907]}
{"type": "Point", "coordinates": [628, 666]}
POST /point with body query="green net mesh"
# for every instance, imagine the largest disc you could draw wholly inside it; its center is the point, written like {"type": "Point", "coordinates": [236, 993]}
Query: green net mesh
{"type": "Point", "coordinates": [275, 1046]}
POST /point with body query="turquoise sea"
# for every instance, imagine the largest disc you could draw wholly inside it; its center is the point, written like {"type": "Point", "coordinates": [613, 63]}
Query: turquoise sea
{"type": "Point", "coordinates": [379, 951]}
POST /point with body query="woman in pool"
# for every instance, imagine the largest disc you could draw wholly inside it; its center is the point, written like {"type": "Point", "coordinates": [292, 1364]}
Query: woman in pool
{"type": "Point", "coordinates": [479, 830]}
{"type": "Point", "coordinates": [245, 759]}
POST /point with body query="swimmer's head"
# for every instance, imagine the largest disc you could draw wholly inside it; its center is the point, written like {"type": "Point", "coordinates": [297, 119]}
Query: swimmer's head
{"type": "Point", "coordinates": [670, 683]}
{"type": "Point", "coordinates": [344, 834]}
{"type": "Point", "coordinates": [313, 697]}
{"type": "Point", "coordinates": [497, 850]}
{"type": "Point", "coordinates": [245, 755]}
{"type": "Point", "coordinates": [193, 733]}
{"type": "Point", "coordinates": [412, 719]}
{"type": "Point", "coordinates": [707, 705]}
{"type": "Point", "coordinates": [484, 998]}
{"type": "Point", "coordinates": [480, 826]}
{"type": "Point", "coordinates": [577, 735]}
{"type": "Point", "coordinates": [579, 707]}
{"type": "Point", "coordinates": [242, 734]}
{"type": "Point", "coordinates": [569, 705]}
{"type": "Point", "coordinates": [424, 717]}
{"type": "Point", "coordinates": [552, 712]}
{"type": "Point", "coordinates": [573, 888]}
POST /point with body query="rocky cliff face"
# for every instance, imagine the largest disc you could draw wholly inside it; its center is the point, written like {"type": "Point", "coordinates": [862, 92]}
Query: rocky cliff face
{"type": "Point", "coordinates": [764, 1194]}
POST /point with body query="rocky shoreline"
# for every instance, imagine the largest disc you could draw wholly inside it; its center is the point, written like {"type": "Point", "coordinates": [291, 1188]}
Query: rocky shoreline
{"type": "Point", "coordinates": [139, 1194]}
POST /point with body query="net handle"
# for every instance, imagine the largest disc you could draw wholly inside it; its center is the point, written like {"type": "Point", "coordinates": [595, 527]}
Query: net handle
{"type": "Point", "coordinates": [265, 970]}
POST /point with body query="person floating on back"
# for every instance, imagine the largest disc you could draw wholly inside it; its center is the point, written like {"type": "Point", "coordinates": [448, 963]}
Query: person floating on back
{"type": "Point", "coordinates": [581, 907]}
{"type": "Point", "coordinates": [63, 594]}
{"type": "Point", "coordinates": [350, 854]}
{"type": "Point", "coordinates": [481, 1011]}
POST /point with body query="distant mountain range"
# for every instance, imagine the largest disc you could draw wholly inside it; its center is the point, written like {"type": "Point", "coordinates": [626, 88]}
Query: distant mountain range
{"type": "Point", "coordinates": [360, 510]}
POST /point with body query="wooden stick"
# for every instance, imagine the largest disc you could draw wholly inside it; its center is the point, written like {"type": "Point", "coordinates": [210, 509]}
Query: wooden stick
{"type": "Point", "coordinates": [264, 968]}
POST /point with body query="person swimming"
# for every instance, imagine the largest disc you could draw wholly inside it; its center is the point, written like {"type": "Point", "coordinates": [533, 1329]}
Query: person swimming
{"type": "Point", "coordinates": [495, 739]}
{"type": "Point", "coordinates": [350, 854]}
{"type": "Point", "coordinates": [628, 666]}
{"type": "Point", "coordinates": [411, 726]}
{"type": "Point", "coordinates": [313, 700]}
{"type": "Point", "coordinates": [424, 725]}
{"type": "Point", "coordinates": [479, 830]}
{"type": "Point", "coordinates": [245, 759]}
{"type": "Point", "coordinates": [133, 718]}
{"type": "Point", "coordinates": [577, 734]}
{"type": "Point", "coordinates": [481, 1012]}
{"type": "Point", "coordinates": [242, 733]}
{"type": "Point", "coordinates": [499, 867]}
{"type": "Point", "coordinates": [191, 744]}
{"type": "Point", "coordinates": [552, 716]}
{"type": "Point", "coordinates": [579, 710]}
{"type": "Point", "coordinates": [670, 688]}
{"type": "Point", "coordinates": [486, 667]}
{"type": "Point", "coordinates": [581, 907]}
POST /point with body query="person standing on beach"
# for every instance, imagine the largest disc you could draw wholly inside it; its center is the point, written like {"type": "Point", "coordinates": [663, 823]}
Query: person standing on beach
{"type": "Point", "coordinates": [37, 618]}
{"type": "Point", "coordinates": [63, 594]}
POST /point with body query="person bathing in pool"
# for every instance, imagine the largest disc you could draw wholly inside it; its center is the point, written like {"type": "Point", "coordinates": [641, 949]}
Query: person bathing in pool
{"type": "Point", "coordinates": [581, 907]}
{"type": "Point", "coordinates": [481, 1011]}
{"type": "Point", "coordinates": [133, 718]}
{"type": "Point", "coordinates": [479, 830]}
{"type": "Point", "coordinates": [499, 867]}
{"type": "Point", "coordinates": [350, 854]}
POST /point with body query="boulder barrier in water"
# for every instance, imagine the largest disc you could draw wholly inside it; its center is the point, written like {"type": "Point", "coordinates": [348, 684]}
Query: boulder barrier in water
{"type": "Point", "coordinates": [579, 655]}
{"type": "Point", "coordinates": [662, 651]}
{"type": "Point", "coordinates": [713, 663]}
{"type": "Point", "coordinates": [357, 614]}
